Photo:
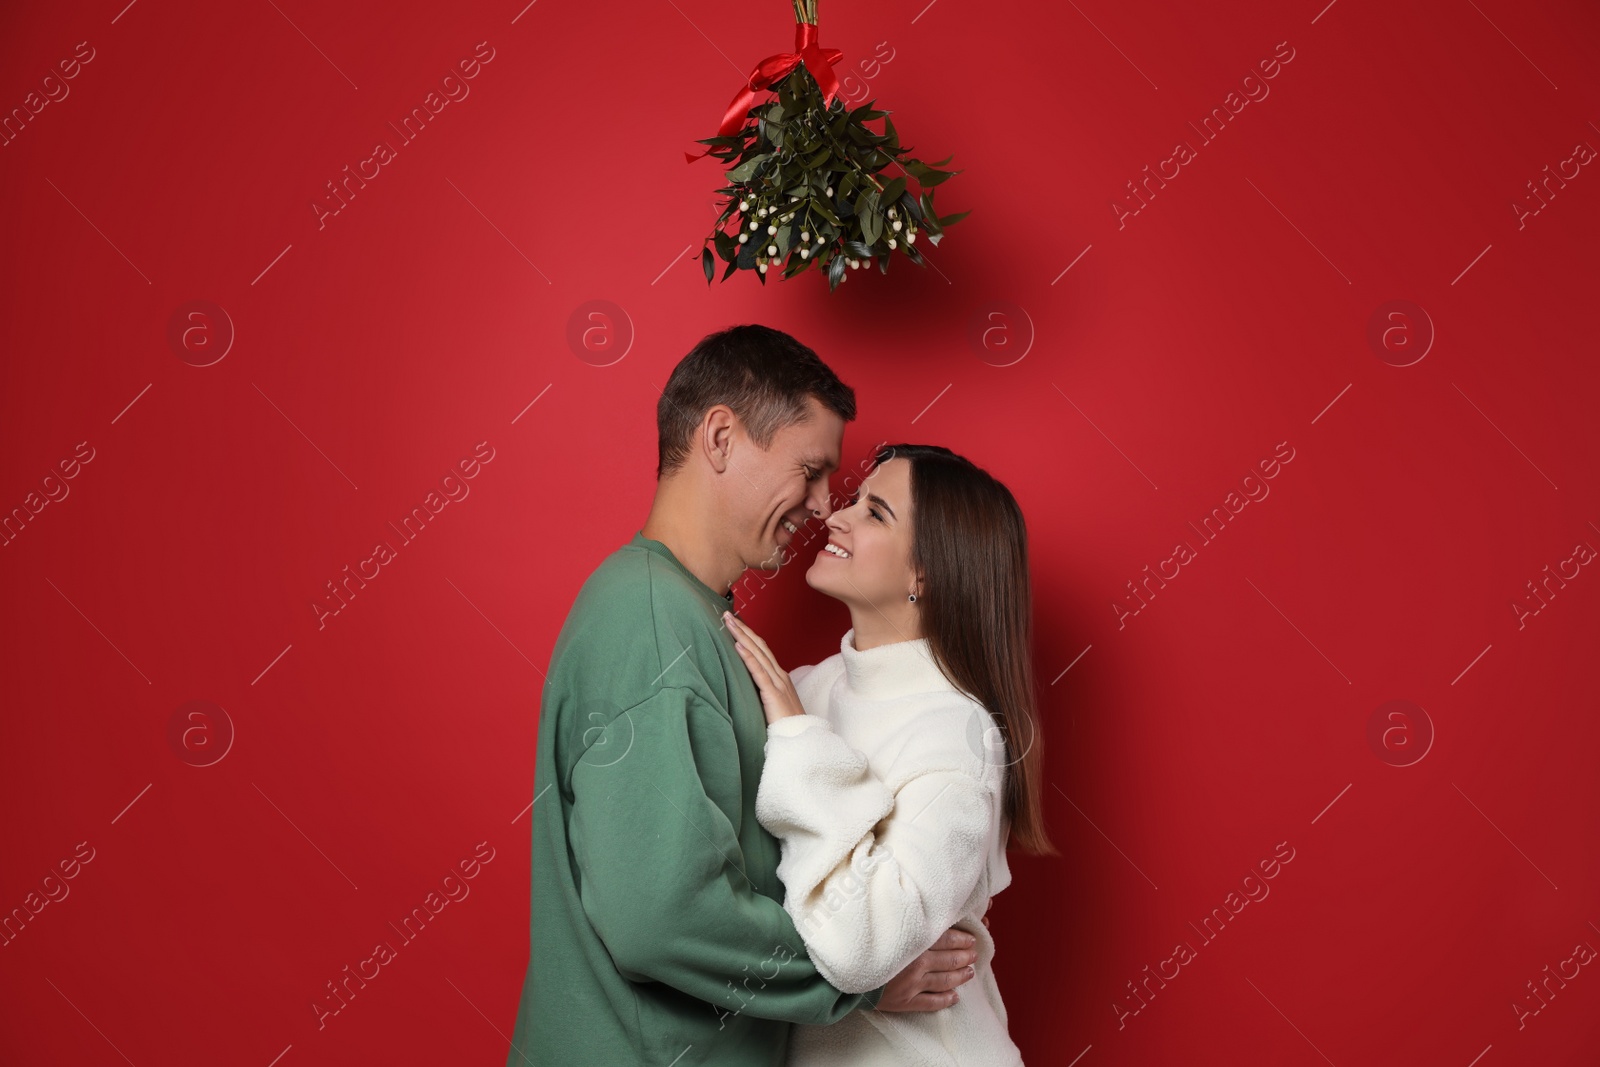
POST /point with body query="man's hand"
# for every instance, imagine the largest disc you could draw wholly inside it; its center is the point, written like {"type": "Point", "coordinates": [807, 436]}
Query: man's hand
{"type": "Point", "coordinates": [929, 983]}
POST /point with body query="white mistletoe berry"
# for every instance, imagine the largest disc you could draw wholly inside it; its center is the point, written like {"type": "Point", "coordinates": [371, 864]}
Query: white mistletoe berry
{"type": "Point", "coordinates": [854, 264]}
{"type": "Point", "coordinates": [805, 235]}
{"type": "Point", "coordinates": [762, 267]}
{"type": "Point", "coordinates": [805, 253]}
{"type": "Point", "coordinates": [830, 190]}
{"type": "Point", "coordinates": [744, 205]}
{"type": "Point", "coordinates": [772, 229]}
{"type": "Point", "coordinates": [911, 237]}
{"type": "Point", "coordinates": [891, 242]}
{"type": "Point", "coordinates": [743, 237]}
{"type": "Point", "coordinates": [892, 214]}
{"type": "Point", "coordinates": [754, 224]}
{"type": "Point", "coordinates": [896, 226]}
{"type": "Point", "coordinates": [772, 250]}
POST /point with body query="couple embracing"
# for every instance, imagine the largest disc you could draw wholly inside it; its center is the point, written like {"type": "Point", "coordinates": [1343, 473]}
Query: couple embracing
{"type": "Point", "coordinates": [739, 864]}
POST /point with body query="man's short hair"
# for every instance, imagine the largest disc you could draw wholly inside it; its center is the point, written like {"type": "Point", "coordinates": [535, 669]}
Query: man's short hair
{"type": "Point", "coordinates": [763, 375]}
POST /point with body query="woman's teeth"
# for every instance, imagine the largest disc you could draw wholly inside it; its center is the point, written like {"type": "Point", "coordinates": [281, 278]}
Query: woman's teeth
{"type": "Point", "coordinates": [836, 550]}
{"type": "Point", "coordinates": [791, 527]}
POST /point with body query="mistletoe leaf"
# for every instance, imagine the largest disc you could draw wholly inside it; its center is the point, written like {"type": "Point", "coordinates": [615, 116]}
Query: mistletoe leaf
{"type": "Point", "coordinates": [836, 268]}
{"type": "Point", "coordinates": [746, 170]}
{"type": "Point", "coordinates": [820, 206]}
{"type": "Point", "coordinates": [708, 263]}
{"type": "Point", "coordinates": [871, 226]}
{"type": "Point", "coordinates": [867, 201]}
{"type": "Point", "coordinates": [846, 192]}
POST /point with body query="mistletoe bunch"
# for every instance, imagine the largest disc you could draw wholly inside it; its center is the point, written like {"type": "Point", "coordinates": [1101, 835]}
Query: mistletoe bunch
{"type": "Point", "coordinates": [808, 186]}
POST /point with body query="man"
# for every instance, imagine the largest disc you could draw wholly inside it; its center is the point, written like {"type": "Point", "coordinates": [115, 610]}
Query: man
{"type": "Point", "coordinates": [658, 933]}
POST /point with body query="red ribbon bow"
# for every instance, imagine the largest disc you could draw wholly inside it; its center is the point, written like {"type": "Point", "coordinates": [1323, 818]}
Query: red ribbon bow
{"type": "Point", "coordinates": [818, 60]}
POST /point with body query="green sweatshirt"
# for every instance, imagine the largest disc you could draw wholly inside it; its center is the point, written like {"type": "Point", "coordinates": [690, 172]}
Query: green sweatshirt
{"type": "Point", "coordinates": [658, 934]}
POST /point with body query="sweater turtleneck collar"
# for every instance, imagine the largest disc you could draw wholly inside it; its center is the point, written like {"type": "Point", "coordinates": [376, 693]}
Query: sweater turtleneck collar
{"type": "Point", "coordinates": [893, 670]}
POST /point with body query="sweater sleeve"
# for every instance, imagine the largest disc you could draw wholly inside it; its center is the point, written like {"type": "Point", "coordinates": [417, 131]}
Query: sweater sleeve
{"type": "Point", "coordinates": [662, 872]}
{"type": "Point", "coordinates": [872, 877]}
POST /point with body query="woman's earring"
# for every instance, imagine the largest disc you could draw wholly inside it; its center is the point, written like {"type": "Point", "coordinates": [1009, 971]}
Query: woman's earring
{"type": "Point", "coordinates": [911, 597]}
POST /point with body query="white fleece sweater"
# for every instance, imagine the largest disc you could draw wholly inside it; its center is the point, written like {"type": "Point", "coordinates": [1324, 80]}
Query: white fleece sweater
{"type": "Point", "coordinates": [886, 799]}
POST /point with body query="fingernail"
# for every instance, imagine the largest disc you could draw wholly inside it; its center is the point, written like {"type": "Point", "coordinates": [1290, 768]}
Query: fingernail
{"type": "Point", "coordinates": [972, 968]}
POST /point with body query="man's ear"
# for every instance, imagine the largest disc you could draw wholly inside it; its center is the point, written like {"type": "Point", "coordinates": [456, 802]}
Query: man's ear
{"type": "Point", "coordinates": [716, 436]}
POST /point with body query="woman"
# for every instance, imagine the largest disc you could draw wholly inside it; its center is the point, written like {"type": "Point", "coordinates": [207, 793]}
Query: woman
{"type": "Point", "coordinates": [899, 770]}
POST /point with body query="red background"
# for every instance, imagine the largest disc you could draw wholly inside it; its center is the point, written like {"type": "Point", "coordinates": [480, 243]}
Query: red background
{"type": "Point", "coordinates": [1121, 399]}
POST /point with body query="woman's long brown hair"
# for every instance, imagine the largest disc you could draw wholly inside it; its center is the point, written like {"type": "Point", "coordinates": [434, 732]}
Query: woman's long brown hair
{"type": "Point", "coordinates": [970, 542]}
